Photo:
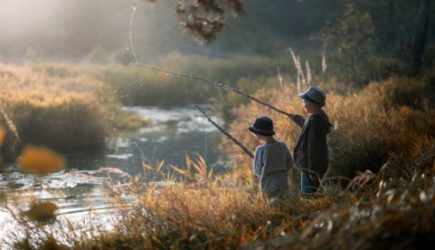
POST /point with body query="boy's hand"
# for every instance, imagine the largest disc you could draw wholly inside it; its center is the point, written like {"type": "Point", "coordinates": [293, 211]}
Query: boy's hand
{"type": "Point", "coordinates": [298, 119]}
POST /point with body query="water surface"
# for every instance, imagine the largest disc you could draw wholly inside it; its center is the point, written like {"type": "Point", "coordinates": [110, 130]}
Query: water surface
{"type": "Point", "coordinates": [173, 134]}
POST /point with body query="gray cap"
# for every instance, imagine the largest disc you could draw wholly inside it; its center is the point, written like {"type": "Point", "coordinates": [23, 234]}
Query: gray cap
{"type": "Point", "coordinates": [315, 95]}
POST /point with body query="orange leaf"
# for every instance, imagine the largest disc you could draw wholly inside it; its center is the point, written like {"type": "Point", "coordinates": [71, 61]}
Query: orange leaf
{"type": "Point", "coordinates": [2, 134]}
{"type": "Point", "coordinates": [40, 160]}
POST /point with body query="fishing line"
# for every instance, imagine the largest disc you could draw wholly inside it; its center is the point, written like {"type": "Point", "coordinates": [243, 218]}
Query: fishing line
{"type": "Point", "coordinates": [205, 145]}
{"type": "Point", "coordinates": [133, 52]}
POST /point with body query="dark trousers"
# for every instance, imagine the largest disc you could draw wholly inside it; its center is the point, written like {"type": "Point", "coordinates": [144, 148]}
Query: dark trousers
{"type": "Point", "coordinates": [308, 186]}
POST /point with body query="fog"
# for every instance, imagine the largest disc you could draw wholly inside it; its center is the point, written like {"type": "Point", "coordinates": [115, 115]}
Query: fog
{"type": "Point", "coordinates": [99, 30]}
{"type": "Point", "coordinates": [76, 29]}
{"type": "Point", "coordinates": [21, 17]}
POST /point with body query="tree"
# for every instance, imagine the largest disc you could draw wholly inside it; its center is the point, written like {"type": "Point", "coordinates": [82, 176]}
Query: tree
{"type": "Point", "coordinates": [421, 24]}
{"type": "Point", "coordinates": [348, 41]}
{"type": "Point", "coordinates": [204, 19]}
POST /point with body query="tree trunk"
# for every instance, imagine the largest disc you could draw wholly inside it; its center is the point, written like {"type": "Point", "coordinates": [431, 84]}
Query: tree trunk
{"type": "Point", "coordinates": [392, 23]}
{"type": "Point", "coordinates": [421, 24]}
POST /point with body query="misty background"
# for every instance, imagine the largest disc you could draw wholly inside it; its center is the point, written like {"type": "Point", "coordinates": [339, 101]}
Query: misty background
{"type": "Point", "coordinates": [98, 30]}
{"type": "Point", "coordinates": [353, 34]}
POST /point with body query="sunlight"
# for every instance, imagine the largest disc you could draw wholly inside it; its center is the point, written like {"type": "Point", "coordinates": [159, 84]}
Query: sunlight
{"type": "Point", "coordinates": [101, 145]}
{"type": "Point", "coordinates": [20, 16]}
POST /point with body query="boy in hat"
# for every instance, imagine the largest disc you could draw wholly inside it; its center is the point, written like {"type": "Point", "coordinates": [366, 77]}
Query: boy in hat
{"type": "Point", "coordinates": [311, 150]}
{"type": "Point", "coordinates": [272, 159]}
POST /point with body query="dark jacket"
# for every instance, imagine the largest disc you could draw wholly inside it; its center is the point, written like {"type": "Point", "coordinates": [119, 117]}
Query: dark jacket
{"type": "Point", "coordinates": [311, 150]}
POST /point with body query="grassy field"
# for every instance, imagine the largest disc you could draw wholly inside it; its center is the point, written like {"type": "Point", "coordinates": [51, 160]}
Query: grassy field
{"type": "Point", "coordinates": [370, 124]}
{"type": "Point", "coordinates": [53, 106]}
{"type": "Point", "coordinates": [387, 127]}
{"type": "Point", "coordinates": [75, 107]}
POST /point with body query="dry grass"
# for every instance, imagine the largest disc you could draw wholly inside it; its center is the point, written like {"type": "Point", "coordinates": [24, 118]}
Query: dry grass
{"type": "Point", "coordinates": [215, 214]}
{"type": "Point", "coordinates": [380, 127]}
{"type": "Point", "coordinates": [395, 209]}
{"type": "Point", "coordinates": [369, 125]}
{"type": "Point", "coordinates": [373, 129]}
{"type": "Point", "coordinates": [54, 105]}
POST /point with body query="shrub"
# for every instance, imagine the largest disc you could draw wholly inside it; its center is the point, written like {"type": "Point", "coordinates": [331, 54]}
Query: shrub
{"type": "Point", "coordinates": [369, 125]}
{"type": "Point", "coordinates": [54, 106]}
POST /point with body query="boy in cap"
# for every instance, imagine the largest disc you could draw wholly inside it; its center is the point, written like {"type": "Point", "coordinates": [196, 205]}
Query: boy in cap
{"type": "Point", "coordinates": [272, 159]}
{"type": "Point", "coordinates": [311, 150]}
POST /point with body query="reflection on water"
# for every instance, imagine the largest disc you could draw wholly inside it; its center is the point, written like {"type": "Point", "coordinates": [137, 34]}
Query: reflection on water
{"type": "Point", "coordinates": [173, 134]}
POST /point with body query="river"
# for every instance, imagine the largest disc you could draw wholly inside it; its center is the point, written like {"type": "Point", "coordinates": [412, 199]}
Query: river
{"type": "Point", "coordinates": [173, 134]}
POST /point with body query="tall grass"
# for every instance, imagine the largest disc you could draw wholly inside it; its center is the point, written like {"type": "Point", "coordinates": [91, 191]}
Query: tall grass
{"type": "Point", "coordinates": [141, 86]}
{"type": "Point", "coordinates": [54, 106]}
{"type": "Point", "coordinates": [387, 127]}
{"type": "Point", "coordinates": [214, 213]}
{"type": "Point", "coordinates": [74, 107]}
{"type": "Point", "coordinates": [369, 125]}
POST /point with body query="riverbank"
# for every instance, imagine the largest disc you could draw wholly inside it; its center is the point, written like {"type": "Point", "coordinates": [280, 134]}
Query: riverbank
{"type": "Point", "coordinates": [73, 108]}
{"type": "Point", "coordinates": [387, 127]}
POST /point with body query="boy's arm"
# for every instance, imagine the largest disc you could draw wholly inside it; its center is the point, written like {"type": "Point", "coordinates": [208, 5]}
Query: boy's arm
{"type": "Point", "coordinates": [298, 119]}
{"type": "Point", "coordinates": [258, 165]}
{"type": "Point", "coordinates": [288, 157]}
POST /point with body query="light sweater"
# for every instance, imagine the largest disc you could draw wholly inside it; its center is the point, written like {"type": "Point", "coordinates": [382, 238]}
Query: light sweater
{"type": "Point", "coordinates": [271, 164]}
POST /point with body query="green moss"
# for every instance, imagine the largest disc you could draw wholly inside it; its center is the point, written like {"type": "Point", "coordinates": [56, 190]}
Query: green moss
{"type": "Point", "coordinates": [130, 121]}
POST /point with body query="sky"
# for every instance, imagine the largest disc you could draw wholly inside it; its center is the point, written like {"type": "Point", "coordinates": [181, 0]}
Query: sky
{"type": "Point", "coordinates": [19, 17]}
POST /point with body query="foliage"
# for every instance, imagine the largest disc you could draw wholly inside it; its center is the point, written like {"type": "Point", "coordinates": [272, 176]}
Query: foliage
{"type": "Point", "coordinates": [348, 42]}
{"type": "Point", "coordinates": [40, 160]}
{"type": "Point", "coordinates": [130, 121]}
{"type": "Point", "coordinates": [387, 126]}
{"type": "Point", "coordinates": [74, 107]}
{"type": "Point", "coordinates": [369, 125]}
{"type": "Point", "coordinates": [2, 134]}
{"type": "Point", "coordinates": [222, 212]}
{"type": "Point", "coordinates": [204, 19]}
{"type": "Point", "coordinates": [135, 85]}
{"type": "Point", "coordinates": [42, 212]}
{"type": "Point", "coordinates": [54, 106]}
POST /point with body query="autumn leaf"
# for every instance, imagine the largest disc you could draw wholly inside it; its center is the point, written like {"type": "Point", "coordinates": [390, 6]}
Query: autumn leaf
{"type": "Point", "coordinates": [3, 197]}
{"type": "Point", "coordinates": [42, 212]}
{"type": "Point", "coordinates": [2, 134]}
{"type": "Point", "coordinates": [40, 160]}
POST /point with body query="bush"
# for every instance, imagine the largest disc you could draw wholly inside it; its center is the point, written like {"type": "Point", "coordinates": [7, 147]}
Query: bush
{"type": "Point", "coordinates": [369, 125]}
{"type": "Point", "coordinates": [74, 124]}
{"type": "Point", "coordinates": [54, 106]}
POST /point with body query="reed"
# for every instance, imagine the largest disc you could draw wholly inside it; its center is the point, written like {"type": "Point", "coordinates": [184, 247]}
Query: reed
{"type": "Point", "coordinates": [53, 106]}
{"type": "Point", "coordinates": [386, 126]}
{"type": "Point", "coordinates": [369, 124]}
{"type": "Point", "coordinates": [214, 212]}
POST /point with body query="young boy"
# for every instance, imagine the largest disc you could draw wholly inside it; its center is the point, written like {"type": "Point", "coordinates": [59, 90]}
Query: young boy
{"type": "Point", "coordinates": [272, 159]}
{"type": "Point", "coordinates": [311, 150]}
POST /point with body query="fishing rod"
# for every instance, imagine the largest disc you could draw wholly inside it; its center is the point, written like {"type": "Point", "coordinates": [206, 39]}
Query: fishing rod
{"type": "Point", "coordinates": [217, 84]}
{"type": "Point", "coordinates": [247, 151]}
{"type": "Point", "coordinates": [190, 76]}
